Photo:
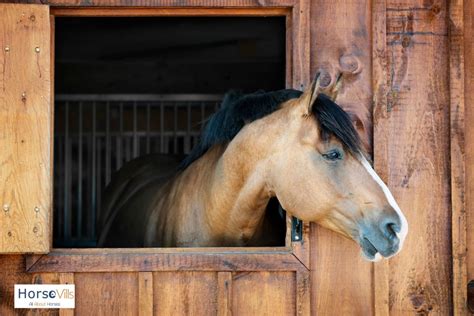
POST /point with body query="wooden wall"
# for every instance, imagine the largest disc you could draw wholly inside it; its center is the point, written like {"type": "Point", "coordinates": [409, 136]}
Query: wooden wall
{"type": "Point", "coordinates": [408, 69]}
{"type": "Point", "coordinates": [414, 75]}
{"type": "Point", "coordinates": [343, 46]}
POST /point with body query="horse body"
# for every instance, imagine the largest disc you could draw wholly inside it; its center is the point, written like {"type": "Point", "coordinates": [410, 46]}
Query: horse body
{"type": "Point", "coordinates": [300, 149]}
{"type": "Point", "coordinates": [184, 209]}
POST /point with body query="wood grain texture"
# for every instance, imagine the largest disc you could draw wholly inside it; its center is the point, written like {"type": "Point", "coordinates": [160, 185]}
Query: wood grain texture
{"type": "Point", "coordinates": [458, 155]}
{"type": "Point", "coordinates": [12, 271]}
{"type": "Point", "coordinates": [145, 293]}
{"type": "Point", "coordinates": [106, 293]}
{"type": "Point", "coordinates": [25, 137]}
{"type": "Point", "coordinates": [95, 261]}
{"type": "Point", "coordinates": [418, 147]}
{"type": "Point", "coordinates": [224, 293]}
{"type": "Point", "coordinates": [66, 278]}
{"type": "Point", "coordinates": [185, 293]}
{"type": "Point", "coordinates": [264, 293]}
{"type": "Point", "coordinates": [337, 286]}
{"type": "Point", "coordinates": [303, 293]}
{"type": "Point", "coordinates": [341, 43]}
{"type": "Point", "coordinates": [380, 278]}
{"type": "Point", "coordinates": [469, 138]}
{"type": "Point", "coordinates": [190, 12]}
{"type": "Point", "coordinates": [160, 3]}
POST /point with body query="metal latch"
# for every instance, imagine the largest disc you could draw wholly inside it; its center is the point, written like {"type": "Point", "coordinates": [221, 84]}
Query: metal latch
{"type": "Point", "coordinates": [296, 229]}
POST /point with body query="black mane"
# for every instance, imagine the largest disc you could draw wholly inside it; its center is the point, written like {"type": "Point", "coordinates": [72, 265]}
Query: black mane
{"type": "Point", "coordinates": [238, 109]}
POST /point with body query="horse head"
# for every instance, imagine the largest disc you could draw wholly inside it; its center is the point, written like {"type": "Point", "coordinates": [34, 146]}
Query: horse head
{"type": "Point", "coordinates": [320, 173]}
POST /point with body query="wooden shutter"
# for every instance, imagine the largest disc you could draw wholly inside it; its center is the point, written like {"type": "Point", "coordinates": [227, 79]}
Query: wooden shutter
{"type": "Point", "coordinates": [25, 128]}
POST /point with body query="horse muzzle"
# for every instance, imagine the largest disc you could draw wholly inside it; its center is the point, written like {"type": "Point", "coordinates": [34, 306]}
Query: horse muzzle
{"type": "Point", "coordinates": [380, 237]}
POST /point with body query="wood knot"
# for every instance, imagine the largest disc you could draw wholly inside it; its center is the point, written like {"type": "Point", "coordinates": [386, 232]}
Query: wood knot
{"type": "Point", "coordinates": [325, 79]}
{"type": "Point", "coordinates": [349, 64]}
{"type": "Point", "coordinates": [32, 18]}
{"type": "Point", "coordinates": [406, 41]}
{"type": "Point", "coordinates": [436, 9]}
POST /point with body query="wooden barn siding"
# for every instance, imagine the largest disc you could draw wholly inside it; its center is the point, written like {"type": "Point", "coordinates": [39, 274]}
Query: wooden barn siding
{"type": "Point", "coordinates": [414, 112]}
{"type": "Point", "coordinates": [412, 146]}
{"type": "Point", "coordinates": [467, 246]}
{"type": "Point", "coordinates": [341, 42]}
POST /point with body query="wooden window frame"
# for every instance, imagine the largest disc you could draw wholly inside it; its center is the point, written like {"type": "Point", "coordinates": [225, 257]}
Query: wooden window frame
{"type": "Point", "coordinates": [294, 256]}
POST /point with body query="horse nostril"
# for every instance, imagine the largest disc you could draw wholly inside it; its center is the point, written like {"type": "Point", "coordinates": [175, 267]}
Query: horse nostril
{"type": "Point", "coordinates": [391, 230]}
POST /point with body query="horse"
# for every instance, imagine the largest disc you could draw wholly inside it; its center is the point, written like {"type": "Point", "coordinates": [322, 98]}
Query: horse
{"type": "Point", "coordinates": [299, 148]}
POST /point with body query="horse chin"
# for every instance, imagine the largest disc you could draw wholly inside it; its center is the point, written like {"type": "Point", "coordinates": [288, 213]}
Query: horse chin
{"type": "Point", "coordinates": [369, 252]}
{"type": "Point", "coordinates": [372, 258]}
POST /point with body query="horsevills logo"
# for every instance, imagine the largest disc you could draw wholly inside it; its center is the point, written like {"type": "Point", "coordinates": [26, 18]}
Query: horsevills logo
{"type": "Point", "coordinates": [44, 295]}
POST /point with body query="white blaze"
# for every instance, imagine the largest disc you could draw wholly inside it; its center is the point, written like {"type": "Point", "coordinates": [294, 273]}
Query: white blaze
{"type": "Point", "coordinates": [404, 224]}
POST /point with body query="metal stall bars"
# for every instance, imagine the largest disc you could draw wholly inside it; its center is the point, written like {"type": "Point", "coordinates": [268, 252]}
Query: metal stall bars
{"type": "Point", "coordinates": [96, 134]}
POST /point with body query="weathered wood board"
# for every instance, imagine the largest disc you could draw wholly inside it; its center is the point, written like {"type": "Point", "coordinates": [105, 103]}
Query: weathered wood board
{"type": "Point", "coordinates": [412, 125]}
{"type": "Point", "coordinates": [341, 41]}
{"type": "Point", "coordinates": [25, 134]}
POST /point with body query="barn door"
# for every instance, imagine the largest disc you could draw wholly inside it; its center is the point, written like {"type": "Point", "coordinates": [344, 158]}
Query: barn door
{"type": "Point", "coordinates": [25, 128]}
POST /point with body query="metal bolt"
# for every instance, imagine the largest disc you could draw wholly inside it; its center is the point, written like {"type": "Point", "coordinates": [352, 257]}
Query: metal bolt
{"type": "Point", "coordinates": [37, 209]}
{"type": "Point", "coordinates": [7, 49]}
{"type": "Point", "coordinates": [297, 237]}
{"type": "Point", "coordinates": [37, 49]}
{"type": "Point", "coordinates": [6, 207]}
{"type": "Point", "coordinates": [23, 97]}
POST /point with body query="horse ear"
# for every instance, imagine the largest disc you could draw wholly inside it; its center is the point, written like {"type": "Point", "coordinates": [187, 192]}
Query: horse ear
{"type": "Point", "coordinates": [308, 98]}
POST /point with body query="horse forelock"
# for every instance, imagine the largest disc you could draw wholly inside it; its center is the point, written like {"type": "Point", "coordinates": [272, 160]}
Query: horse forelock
{"type": "Point", "coordinates": [333, 120]}
{"type": "Point", "coordinates": [238, 109]}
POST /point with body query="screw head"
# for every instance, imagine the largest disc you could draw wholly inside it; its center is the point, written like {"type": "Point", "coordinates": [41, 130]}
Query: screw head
{"type": "Point", "coordinates": [297, 237]}
{"type": "Point", "coordinates": [7, 49]}
{"type": "Point", "coordinates": [37, 49]}
{"type": "Point", "coordinates": [37, 209]}
{"type": "Point", "coordinates": [6, 207]}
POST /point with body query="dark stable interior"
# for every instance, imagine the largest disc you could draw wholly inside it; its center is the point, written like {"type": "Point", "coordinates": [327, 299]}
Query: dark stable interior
{"type": "Point", "coordinates": [127, 87]}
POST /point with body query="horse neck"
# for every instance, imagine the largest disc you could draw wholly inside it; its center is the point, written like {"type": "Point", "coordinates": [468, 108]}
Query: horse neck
{"type": "Point", "coordinates": [237, 193]}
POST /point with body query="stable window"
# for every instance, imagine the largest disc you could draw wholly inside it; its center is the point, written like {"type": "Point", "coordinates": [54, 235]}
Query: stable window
{"type": "Point", "coordinates": [128, 87]}
{"type": "Point", "coordinates": [92, 76]}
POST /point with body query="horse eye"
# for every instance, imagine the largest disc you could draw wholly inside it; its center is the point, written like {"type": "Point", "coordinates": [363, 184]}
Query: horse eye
{"type": "Point", "coordinates": [333, 155]}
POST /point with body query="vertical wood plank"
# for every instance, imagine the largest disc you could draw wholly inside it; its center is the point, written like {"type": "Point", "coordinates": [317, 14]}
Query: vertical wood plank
{"type": "Point", "coordinates": [145, 293]}
{"type": "Point", "coordinates": [66, 278]}
{"type": "Point", "coordinates": [341, 43]}
{"type": "Point", "coordinates": [264, 293]}
{"type": "Point", "coordinates": [380, 278]}
{"type": "Point", "coordinates": [113, 293]}
{"type": "Point", "coordinates": [12, 272]}
{"type": "Point", "coordinates": [303, 292]}
{"type": "Point", "coordinates": [25, 110]}
{"type": "Point", "coordinates": [418, 145]}
{"type": "Point", "coordinates": [224, 293]}
{"type": "Point", "coordinates": [185, 293]}
{"type": "Point", "coordinates": [301, 41]}
{"type": "Point", "coordinates": [469, 142]}
{"type": "Point", "coordinates": [52, 22]}
{"type": "Point", "coordinates": [457, 127]}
